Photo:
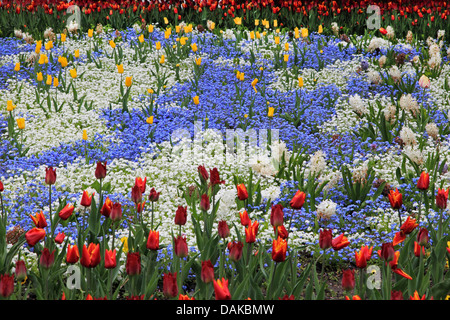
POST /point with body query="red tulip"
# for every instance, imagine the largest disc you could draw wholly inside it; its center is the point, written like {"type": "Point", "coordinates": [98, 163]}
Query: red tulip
{"type": "Point", "coordinates": [73, 254]}
{"type": "Point", "coordinates": [21, 270]}
{"type": "Point", "coordinates": [277, 215]}
{"type": "Point", "coordinates": [214, 177]}
{"type": "Point", "coordinates": [181, 216]}
{"type": "Point", "coordinates": [6, 285]}
{"type": "Point", "coordinates": [363, 256]}
{"type": "Point", "coordinates": [348, 279]}
{"type": "Point", "coordinates": [441, 198]}
{"type": "Point", "coordinates": [34, 236]}
{"type": "Point", "coordinates": [339, 242]}
{"type": "Point", "coordinates": [1, 187]}
{"type": "Point", "coordinates": [39, 220]}
{"type": "Point", "coordinates": [395, 198]}
{"type": "Point", "coordinates": [207, 274]}
{"type": "Point", "coordinates": [185, 297]}
{"type": "Point", "coordinates": [153, 240]}
{"type": "Point", "coordinates": [221, 289]}
{"type": "Point", "coordinates": [298, 200]}
{"type": "Point", "coordinates": [110, 259]}
{"type": "Point", "coordinates": [100, 170]}
{"type": "Point", "coordinates": [251, 231]}
{"type": "Point", "coordinates": [235, 249]}
{"type": "Point", "coordinates": [383, 31]}
{"type": "Point", "coordinates": [325, 238]}
{"type": "Point", "coordinates": [47, 259]}
{"type": "Point", "coordinates": [416, 296]}
{"type": "Point", "coordinates": [245, 220]}
{"type": "Point", "coordinates": [136, 194]}
{"type": "Point", "coordinates": [396, 295]}
{"type": "Point", "coordinates": [60, 237]}
{"type": "Point", "coordinates": [180, 247]}
{"type": "Point", "coordinates": [282, 232]}
{"type": "Point", "coordinates": [90, 256]}
{"type": "Point", "coordinates": [204, 202]}
{"type": "Point", "coordinates": [394, 266]}
{"type": "Point", "coordinates": [223, 229]}
{"type": "Point", "coordinates": [170, 286]}
{"type": "Point", "coordinates": [153, 196]}
{"type": "Point", "coordinates": [141, 183]}
{"type": "Point", "coordinates": [106, 208]}
{"type": "Point", "coordinates": [424, 181]}
{"type": "Point", "coordinates": [50, 175]}
{"type": "Point", "coordinates": [417, 249]}
{"type": "Point", "coordinates": [422, 237]}
{"type": "Point", "coordinates": [242, 193]}
{"type": "Point", "coordinates": [86, 200]}
{"type": "Point", "coordinates": [133, 263]}
{"type": "Point", "coordinates": [140, 207]}
{"type": "Point", "coordinates": [279, 248]}
{"type": "Point", "coordinates": [203, 174]}
{"type": "Point", "coordinates": [407, 227]}
{"type": "Point", "coordinates": [66, 212]}
{"type": "Point", "coordinates": [116, 212]}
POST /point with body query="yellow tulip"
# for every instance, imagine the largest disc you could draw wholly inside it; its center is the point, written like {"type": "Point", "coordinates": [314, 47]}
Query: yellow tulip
{"type": "Point", "coordinates": [194, 47]}
{"type": "Point", "coordinates": [275, 23]}
{"type": "Point", "coordinates": [238, 20]}
{"type": "Point", "coordinates": [90, 33]}
{"type": "Point", "coordinates": [141, 38]}
{"type": "Point", "coordinates": [150, 28]}
{"type": "Point", "coordinates": [38, 46]}
{"type": "Point", "coordinates": [150, 120]}
{"type": "Point", "coordinates": [55, 82]}
{"type": "Point", "coordinates": [76, 53]}
{"type": "Point", "coordinates": [128, 81]}
{"type": "Point", "coordinates": [252, 35]}
{"type": "Point", "coordinates": [49, 45]}
{"type": "Point", "coordinates": [21, 123]}
{"type": "Point", "coordinates": [254, 82]}
{"type": "Point", "coordinates": [300, 82]}
{"type": "Point", "coordinates": [320, 29]}
{"type": "Point", "coordinates": [158, 45]}
{"type": "Point", "coordinates": [256, 22]}
{"type": "Point", "coordinates": [10, 106]}
{"type": "Point", "coordinates": [120, 68]}
{"type": "Point", "coordinates": [177, 29]}
{"type": "Point", "coordinates": [277, 40]}
{"type": "Point", "coordinates": [286, 58]}
{"type": "Point", "coordinates": [270, 112]}
{"type": "Point", "coordinates": [212, 25]}
{"type": "Point", "coordinates": [150, 91]}
{"type": "Point", "coordinates": [63, 61]}
{"type": "Point", "coordinates": [63, 37]}
{"type": "Point", "coordinates": [196, 100]}
{"type": "Point", "coordinates": [41, 59]}
{"type": "Point", "coordinates": [124, 240]}
{"type": "Point", "coordinates": [85, 136]}
{"type": "Point", "coordinates": [17, 66]}
{"type": "Point", "coordinates": [304, 32]}
{"type": "Point", "coordinates": [183, 40]}
{"type": "Point", "coordinates": [166, 21]}
{"type": "Point", "coordinates": [39, 76]}
{"type": "Point", "coordinates": [162, 59]}
{"type": "Point", "coordinates": [73, 73]}
{"type": "Point", "coordinates": [49, 80]}
{"type": "Point", "coordinates": [296, 33]}
{"type": "Point", "coordinates": [112, 44]}
{"type": "Point", "coordinates": [286, 46]}
{"type": "Point", "coordinates": [258, 35]}
{"type": "Point", "coordinates": [198, 61]}
{"type": "Point", "coordinates": [167, 33]}
{"type": "Point", "coordinates": [264, 22]}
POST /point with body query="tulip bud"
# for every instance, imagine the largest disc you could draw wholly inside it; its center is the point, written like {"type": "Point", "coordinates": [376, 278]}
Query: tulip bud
{"type": "Point", "coordinates": [60, 237]}
{"type": "Point", "coordinates": [422, 237]}
{"type": "Point", "coordinates": [181, 216]}
{"type": "Point", "coordinates": [387, 252]}
{"type": "Point", "coordinates": [441, 198]}
{"type": "Point", "coordinates": [325, 238]}
{"type": "Point", "coordinates": [170, 286]}
{"type": "Point", "coordinates": [73, 254]}
{"type": "Point", "coordinates": [298, 200]}
{"type": "Point", "coordinates": [100, 171]}
{"type": "Point", "coordinates": [133, 263]}
{"type": "Point", "coordinates": [47, 259]}
{"type": "Point", "coordinates": [50, 175]}
{"type": "Point", "coordinates": [153, 240]}
{"type": "Point", "coordinates": [223, 229]}
{"type": "Point", "coordinates": [277, 215]}
{"type": "Point", "coordinates": [204, 202]}
{"type": "Point", "coordinates": [116, 212]}
{"type": "Point", "coordinates": [180, 247]}
{"type": "Point", "coordinates": [424, 181]}
{"type": "Point", "coordinates": [235, 249]}
{"type": "Point", "coordinates": [207, 274]}
{"type": "Point", "coordinates": [21, 270]}
{"type": "Point", "coordinates": [110, 259]}
{"type": "Point", "coordinates": [6, 285]}
{"type": "Point", "coordinates": [348, 279]}
{"type": "Point", "coordinates": [242, 192]}
{"type": "Point", "coordinates": [153, 196]}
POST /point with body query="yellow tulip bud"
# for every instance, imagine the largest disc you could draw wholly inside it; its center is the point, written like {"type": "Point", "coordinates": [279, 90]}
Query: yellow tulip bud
{"type": "Point", "coordinates": [196, 100]}
{"type": "Point", "coordinates": [150, 120]}
{"type": "Point", "coordinates": [21, 123]}
{"type": "Point", "coordinates": [73, 73]}
{"type": "Point", "coordinates": [166, 21]}
{"type": "Point", "coordinates": [63, 37]}
{"type": "Point", "coordinates": [252, 35]}
{"type": "Point", "coordinates": [300, 82]}
{"type": "Point", "coordinates": [150, 28]}
{"type": "Point", "coordinates": [286, 58]}
{"type": "Point", "coordinates": [238, 20]}
{"type": "Point", "coordinates": [270, 112]}
{"type": "Point", "coordinates": [17, 66]}
{"type": "Point", "coordinates": [39, 77]}
{"type": "Point", "coordinates": [286, 46]}
{"type": "Point", "coordinates": [76, 53]}
{"type": "Point", "coordinates": [198, 61]}
{"type": "Point", "coordinates": [128, 81]}
{"type": "Point", "coordinates": [38, 47]}
{"type": "Point", "coordinates": [10, 106]}
{"type": "Point", "coordinates": [177, 29]}
{"type": "Point", "coordinates": [183, 41]}
{"type": "Point", "coordinates": [120, 68]}
{"type": "Point", "coordinates": [55, 82]}
{"type": "Point", "coordinates": [277, 40]}
{"type": "Point", "coordinates": [141, 38]}
{"type": "Point", "coordinates": [162, 59]}
{"type": "Point", "coordinates": [85, 136]}
{"type": "Point", "coordinates": [256, 22]}
{"type": "Point", "coordinates": [112, 44]}
{"type": "Point", "coordinates": [158, 45]}
{"type": "Point", "coordinates": [275, 23]}
{"type": "Point", "coordinates": [304, 32]}
{"type": "Point", "coordinates": [49, 80]}
{"type": "Point", "coordinates": [49, 45]}
{"type": "Point", "coordinates": [90, 33]}
{"type": "Point", "coordinates": [296, 33]}
{"type": "Point", "coordinates": [150, 91]}
{"type": "Point", "coordinates": [194, 47]}
{"type": "Point", "coordinates": [320, 29]}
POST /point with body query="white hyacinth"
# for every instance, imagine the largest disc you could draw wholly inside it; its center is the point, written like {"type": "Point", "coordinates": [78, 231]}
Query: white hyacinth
{"type": "Point", "coordinates": [326, 209]}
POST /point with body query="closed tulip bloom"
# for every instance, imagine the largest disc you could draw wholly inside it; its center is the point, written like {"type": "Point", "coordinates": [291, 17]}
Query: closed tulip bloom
{"type": "Point", "coordinates": [158, 45]}
{"type": "Point", "coordinates": [395, 198]}
{"type": "Point", "coordinates": [100, 170]}
{"type": "Point", "coordinates": [150, 28]}
{"type": "Point", "coordinates": [181, 216]}
{"type": "Point", "coordinates": [194, 47]}
{"type": "Point", "coordinates": [153, 240]}
{"type": "Point", "coordinates": [245, 220]}
{"type": "Point", "coordinates": [196, 100]}
{"type": "Point", "coordinates": [90, 33]}
{"type": "Point", "coordinates": [204, 202]}
{"type": "Point", "coordinates": [282, 232]}
{"type": "Point", "coordinates": [348, 279]}
{"type": "Point", "coordinates": [49, 80]}
{"type": "Point", "coordinates": [223, 229]}
{"type": "Point", "coordinates": [133, 263]}
{"type": "Point", "coordinates": [17, 67]}
{"type": "Point", "coordinates": [207, 274]}
{"type": "Point", "coordinates": [242, 193]}
{"type": "Point", "coordinates": [300, 82]}
{"type": "Point", "coordinates": [441, 198]}
{"type": "Point", "coordinates": [39, 220]}
{"type": "Point", "coordinates": [141, 183]}
{"type": "Point", "coordinates": [84, 136]}
{"type": "Point", "coordinates": [270, 112]}
{"type": "Point", "coordinates": [128, 81]}
{"type": "Point", "coordinates": [47, 259]}
{"type": "Point", "coordinates": [34, 236]}
{"type": "Point", "coordinates": [50, 175]}
{"type": "Point", "coordinates": [424, 82]}
{"type": "Point", "coordinates": [76, 53]}
{"type": "Point", "coordinates": [279, 248]}
{"type": "Point", "coordinates": [251, 231]}
{"type": "Point", "coordinates": [161, 60]}
{"type": "Point", "coordinates": [153, 196]}
{"type": "Point", "coordinates": [170, 286]}
{"type": "Point", "coordinates": [110, 259]}
{"type": "Point", "coordinates": [73, 73]}
{"type": "Point", "coordinates": [86, 200]}
{"type": "Point", "coordinates": [214, 177]}
{"type": "Point", "coordinates": [73, 254]}
{"type": "Point", "coordinates": [418, 249]}
{"type": "Point", "coordinates": [140, 207]}
{"type": "Point", "coordinates": [298, 200]}
{"type": "Point", "coordinates": [63, 37]}
{"type": "Point", "coordinates": [141, 38]}
{"type": "Point", "coordinates": [136, 194]}
{"type": "Point", "coordinates": [55, 82]}
{"type": "Point", "coordinates": [424, 181]}
{"type": "Point", "coordinates": [339, 242]}
{"type": "Point", "coordinates": [320, 30]}
{"type": "Point", "coordinates": [10, 106]}
{"type": "Point", "coordinates": [203, 174]}
{"type": "Point", "coordinates": [60, 237]}
{"type": "Point", "coordinates": [106, 208]}
{"type": "Point", "coordinates": [286, 58]}
{"type": "Point", "coordinates": [116, 212]}
{"type": "Point", "coordinates": [422, 237]}
{"type": "Point", "coordinates": [112, 44]}
{"type": "Point", "coordinates": [149, 120]}
{"type": "Point", "coordinates": [120, 68]}
{"type": "Point", "coordinates": [325, 238]}
{"type": "Point", "coordinates": [63, 61]}
{"type": "Point", "coordinates": [180, 247]}
{"type": "Point", "coordinates": [90, 256]}
{"type": "Point", "coordinates": [277, 215]}
{"type": "Point", "coordinates": [235, 249]}
{"type": "Point", "coordinates": [221, 290]}
{"type": "Point", "coordinates": [387, 252]}
{"type": "Point", "coordinates": [6, 285]}
{"type": "Point", "coordinates": [20, 270]}
{"type": "Point", "coordinates": [363, 256]}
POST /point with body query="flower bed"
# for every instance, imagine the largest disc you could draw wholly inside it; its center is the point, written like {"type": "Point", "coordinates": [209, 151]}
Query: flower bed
{"type": "Point", "coordinates": [129, 157]}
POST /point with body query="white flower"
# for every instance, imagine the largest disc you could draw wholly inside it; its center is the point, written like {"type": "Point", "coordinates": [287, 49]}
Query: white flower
{"type": "Point", "coordinates": [317, 162]}
{"type": "Point", "coordinates": [335, 28]}
{"type": "Point", "coordinates": [414, 153]}
{"type": "Point", "coordinates": [407, 136]}
{"type": "Point", "coordinates": [435, 61]}
{"type": "Point", "coordinates": [136, 27]}
{"type": "Point", "coordinates": [326, 209]}
{"type": "Point", "coordinates": [408, 103]}
{"type": "Point", "coordinates": [432, 130]}
{"type": "Point", "coordinates": [389, 113]}
{"type": "Point", "coordinates": [72, 27]}
{"type": "Point", "coordinates": [374, 77]}
{"type": "Point", "coordinates": [18, 33]}
{"type": "Point", "coordinates": [395, 73]}
{"type": "Point", "coordinates": [409, 36]}
{"type": "Point", "coordinates": [440, 34]}
{"type": "Point", "coordinates": [357, 104]}
{"type": "Point", "coordinates": [382, 61]}
{"type": "Point", "coordinates": [390, 32]}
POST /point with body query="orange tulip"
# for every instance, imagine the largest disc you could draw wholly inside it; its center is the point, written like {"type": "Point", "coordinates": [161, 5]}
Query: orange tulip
{"type": "Point", "coordinates": [90, 257]}
{"type": "Point", "coordinates": [279, 248]}
{"type": "Point", "coordinates": [395, 198]}
{"type": "Point", "coordinates": [39, 220]}
{"type": "Point", "coordinates": [221, 289]}
{"type": "Point", "coordinates": [251, 232]}
{"type": "Point", "coordinates": [242, 192]}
